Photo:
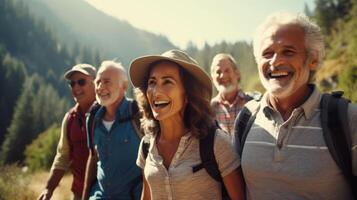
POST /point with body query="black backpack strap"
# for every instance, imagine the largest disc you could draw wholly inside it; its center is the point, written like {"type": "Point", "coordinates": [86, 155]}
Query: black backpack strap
{"type": "Point", "coordinates": [208, 160]}
{"type": "Point", "coordinates": [90, 125]}
{"type": "Point", "coordinates": [145, 146]}
{"type": "Point", "coordinates": [135, 116]}
{"type": "Point", "coordinates": [334, 122]}
{"type": "Point", "coordinates": [134, 184]}
{"type": "Point", "coordinates": [243, 123]}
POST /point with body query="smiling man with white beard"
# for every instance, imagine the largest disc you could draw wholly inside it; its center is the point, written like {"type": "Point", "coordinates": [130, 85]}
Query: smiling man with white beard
{"type": "Point", "coordinates": [111, 169]}
{"type": "Point", "coordinates": [230, 98]}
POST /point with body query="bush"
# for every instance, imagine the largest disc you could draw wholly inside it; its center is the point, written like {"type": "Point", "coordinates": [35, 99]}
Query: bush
{"type": "Point", "coordinates": [41, 152]}
{"type": "Point", "coordinates": [13, 184]}
{"type": "Point", "coordinates": [348, 82]}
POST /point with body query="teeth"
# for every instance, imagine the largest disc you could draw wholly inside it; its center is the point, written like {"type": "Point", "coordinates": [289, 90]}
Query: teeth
{"type": "Point", "coordinates": [161, 103]}
{"type": "Point", "coordinates": [277, 74]}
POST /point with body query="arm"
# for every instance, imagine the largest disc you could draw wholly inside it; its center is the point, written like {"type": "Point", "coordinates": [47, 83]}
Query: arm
{"type": "Point", "coordinates": [229, 165]}
{"type": "Point", "coordinates": [55, 177]}
{"type": "Point", "coordinates": [145, 195]}
{"type": "Point", "coordinates": [234, 184]}
{"type": "Point", "coordinates": [91, 171]}
{"type": "Point", "coordinates": [60, 164]}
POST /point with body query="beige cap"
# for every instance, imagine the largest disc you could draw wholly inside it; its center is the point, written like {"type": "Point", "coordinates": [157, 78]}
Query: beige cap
{"type": "Point", "coordinates": [83, 68]}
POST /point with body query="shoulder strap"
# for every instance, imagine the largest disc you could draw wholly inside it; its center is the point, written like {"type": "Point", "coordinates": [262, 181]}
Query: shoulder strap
{"type": "Point", "coordinates": [206, 147]}
{"type": "Point", "coordinates": [244, 122]}
{"type": "Point", "coordinates": [334, 122]}
{"type": "Point", "coordinates": [135, 116]}
{"type": "Point", "coordinates": [208, 159]}
{"type": "Point", "coordinates": [145, 147]}
{"type": "Point", "coordinates": [90, 124]}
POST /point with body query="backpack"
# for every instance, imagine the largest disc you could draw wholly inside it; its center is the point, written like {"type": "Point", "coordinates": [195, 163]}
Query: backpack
{"type": "Point", "coordinates": [334, 122]}
{"type": "Point", "coordinates": [208, 160]}
{"type": "Point", "coordinates": [134, 117]}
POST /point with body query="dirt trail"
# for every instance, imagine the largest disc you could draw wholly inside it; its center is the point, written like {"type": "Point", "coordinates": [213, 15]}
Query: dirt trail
{"type": "Point", "coordinates": [62, 192]}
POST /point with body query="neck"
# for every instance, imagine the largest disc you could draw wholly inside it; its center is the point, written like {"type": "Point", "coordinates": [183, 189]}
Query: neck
{"type": "Point", "coordinates": [110, 110]}
{"type": "Point", "coordinates": [285, 106]}
{"type": "Point", "coordinates": [172, 129]}
{"type": "Point", "coordinates": [84, 106]}
{"type": "Point", "coordinates": [230, 97]}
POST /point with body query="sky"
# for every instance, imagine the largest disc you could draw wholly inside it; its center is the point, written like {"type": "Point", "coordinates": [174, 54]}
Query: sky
{"type": "Point", "coordinates": [198, 21]}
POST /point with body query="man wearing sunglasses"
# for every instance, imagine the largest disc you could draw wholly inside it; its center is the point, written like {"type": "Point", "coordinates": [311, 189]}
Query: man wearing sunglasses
{"type": "Point", "coordinates": [72, 151]}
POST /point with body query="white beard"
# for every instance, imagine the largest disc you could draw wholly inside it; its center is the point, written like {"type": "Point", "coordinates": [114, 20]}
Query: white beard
{"type": "Point", "coordinates": [226, 89]}
{"type": "Point", "coordinates": [283, 91]}
{"type": "Point", "coordinates": [109, 101]}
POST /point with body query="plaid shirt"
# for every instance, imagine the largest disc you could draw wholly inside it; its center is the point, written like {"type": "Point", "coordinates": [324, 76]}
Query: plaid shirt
{"type": "Point", "coordinates": [226, 113]}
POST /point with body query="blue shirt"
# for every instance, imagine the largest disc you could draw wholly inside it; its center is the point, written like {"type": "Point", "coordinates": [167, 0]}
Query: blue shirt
{"type": "Point", "coordinates": [117, 152]}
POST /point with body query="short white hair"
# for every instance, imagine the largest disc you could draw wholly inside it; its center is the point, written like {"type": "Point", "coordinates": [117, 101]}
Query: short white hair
{"type": "Point", "coordinates": [123, 78]}
{"type": "Point", "coordinates": [225, 56]}
{"type": "Point", "coordinates": [314, 41]}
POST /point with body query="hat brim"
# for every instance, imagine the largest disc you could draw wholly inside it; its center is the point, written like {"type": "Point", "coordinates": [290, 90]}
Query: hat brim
{"type": "Point", "coordinates": [69, 73]}
{"type": "Point", "coordinates": [139, 70]}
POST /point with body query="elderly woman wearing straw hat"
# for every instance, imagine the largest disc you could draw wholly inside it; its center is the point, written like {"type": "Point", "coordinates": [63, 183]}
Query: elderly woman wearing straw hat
{"type": "Point", "coordinates": [174, 94]}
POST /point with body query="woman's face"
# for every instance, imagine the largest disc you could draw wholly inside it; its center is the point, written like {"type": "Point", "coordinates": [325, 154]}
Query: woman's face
{"type": "Point", "coordinates": [165, 91]}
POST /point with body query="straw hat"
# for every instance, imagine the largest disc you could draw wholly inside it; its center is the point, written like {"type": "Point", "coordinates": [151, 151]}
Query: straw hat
{"type": "Point", "coordinates": [139, 67]}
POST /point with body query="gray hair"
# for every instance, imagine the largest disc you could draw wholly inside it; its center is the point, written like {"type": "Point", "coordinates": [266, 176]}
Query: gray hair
{"type": "Point", "coordinates": [115, 65]}
{"type": "Point", "coordinates": [225, 56]}
{"type": "Point", "coordinates": [314, 42]}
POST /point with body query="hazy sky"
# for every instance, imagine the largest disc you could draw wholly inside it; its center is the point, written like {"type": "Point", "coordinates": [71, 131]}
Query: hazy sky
{"type": "Point", "coordinates": [198, 20]}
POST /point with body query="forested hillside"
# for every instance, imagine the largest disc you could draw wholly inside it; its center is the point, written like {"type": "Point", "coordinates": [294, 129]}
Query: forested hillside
{"type": "Point", "coordinates": [90, 27]}
{"type": "Point", "coordinates": [338, 19]}
{"type": "Point", "coordinates": [33, 92]}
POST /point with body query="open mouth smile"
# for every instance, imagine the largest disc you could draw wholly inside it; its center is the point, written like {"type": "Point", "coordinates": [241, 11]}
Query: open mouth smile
{"type": "Point", "coordinates": [161, 104]}
{"type": "Point", "coordinates": [278, 74]}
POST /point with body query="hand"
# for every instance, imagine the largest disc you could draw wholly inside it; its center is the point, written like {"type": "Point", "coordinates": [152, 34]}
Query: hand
{"type": "Point", "coordinates": [45, 195]}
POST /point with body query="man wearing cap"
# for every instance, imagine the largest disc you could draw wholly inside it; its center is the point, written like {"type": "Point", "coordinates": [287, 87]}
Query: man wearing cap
{"type": "Point", "coordinates": [111, 170]}
{"type": "Point", "coordinates": [72, 151]}
{"type": "Point", "coordinates": [230, 98]}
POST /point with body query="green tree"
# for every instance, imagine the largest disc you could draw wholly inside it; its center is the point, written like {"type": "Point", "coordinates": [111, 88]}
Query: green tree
{"type": "Point", "coordinates": [12, 75]}
{"type": "Point", "coordinates": [20, 132]}
{"type": "Point", "coordinates": [38, 107]}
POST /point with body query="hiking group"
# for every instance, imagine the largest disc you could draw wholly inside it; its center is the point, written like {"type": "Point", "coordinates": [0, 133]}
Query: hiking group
{"type": "Point", "coordinates": [177, 141]}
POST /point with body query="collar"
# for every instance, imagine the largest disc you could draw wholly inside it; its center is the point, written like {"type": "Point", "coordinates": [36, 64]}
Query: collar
{"type": "Point", "coordinates": [239, 97]}
{"type": "Point", "coordinates": [122, 110]}
{"type": "Point", "coordinates": [312, 103]}
{"type": "Point", "coordinates": [308, 107]}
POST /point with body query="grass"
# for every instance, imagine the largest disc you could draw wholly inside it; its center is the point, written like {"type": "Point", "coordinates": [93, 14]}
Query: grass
{"type": "Point", "coordinates": [15, 184]}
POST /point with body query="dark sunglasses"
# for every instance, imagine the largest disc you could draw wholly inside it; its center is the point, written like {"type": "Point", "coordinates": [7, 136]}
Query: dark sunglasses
{"type": "Point", "coordinates": [81, 82]}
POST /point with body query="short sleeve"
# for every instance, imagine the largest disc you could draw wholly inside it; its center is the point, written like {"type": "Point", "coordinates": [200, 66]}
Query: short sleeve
{"type": "Point", "coordinates": [226, 157]}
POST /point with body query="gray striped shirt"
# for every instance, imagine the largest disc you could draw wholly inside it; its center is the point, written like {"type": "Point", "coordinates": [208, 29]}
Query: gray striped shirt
{"type": "Point", "coordinates": [290, 160]}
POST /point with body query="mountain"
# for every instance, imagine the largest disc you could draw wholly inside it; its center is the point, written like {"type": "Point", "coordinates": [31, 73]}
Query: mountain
{"type": "Point", "coordinates": [77, 21]}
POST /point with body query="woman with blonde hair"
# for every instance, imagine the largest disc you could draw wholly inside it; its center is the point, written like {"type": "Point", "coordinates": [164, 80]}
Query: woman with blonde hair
{"type": "Point", "coordinates": [174, 94]}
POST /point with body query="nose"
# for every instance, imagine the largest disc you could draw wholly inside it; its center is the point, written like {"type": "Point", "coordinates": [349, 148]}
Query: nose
{"type": "Point", "coordinates": [156, 91]}
{"type": "Point", "coordinates": [275, 60]}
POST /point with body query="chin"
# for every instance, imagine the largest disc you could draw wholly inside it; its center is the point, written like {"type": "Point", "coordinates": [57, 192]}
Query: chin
{"type": "Point", "coordinates": [104, 102]}
{"type": "Point", "coordinates": [227, 89]}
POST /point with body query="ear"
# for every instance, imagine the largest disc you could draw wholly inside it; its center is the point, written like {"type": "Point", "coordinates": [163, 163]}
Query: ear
{"type": "Point", "coordinates": [125, 85]}
{"type": "Point", "coordinates": [238, 75]}
{"type": "Point", "coordinates": [313, 61]}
